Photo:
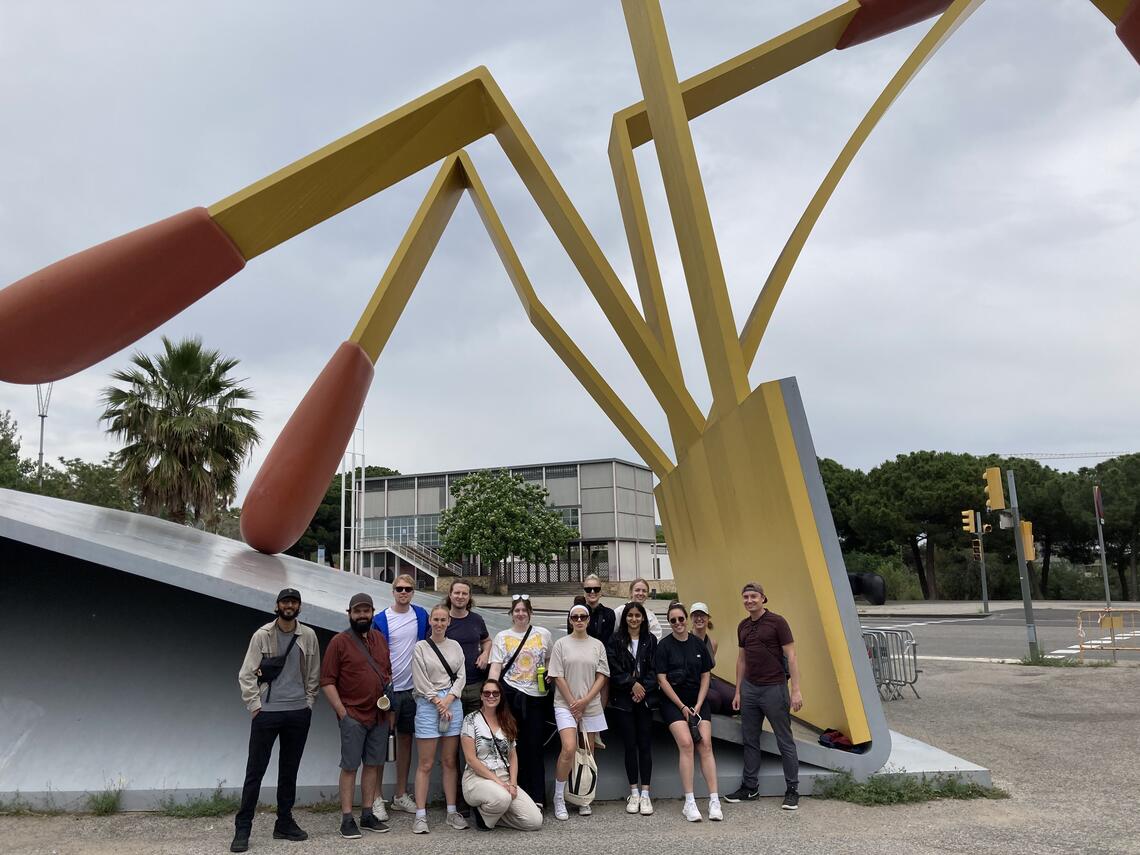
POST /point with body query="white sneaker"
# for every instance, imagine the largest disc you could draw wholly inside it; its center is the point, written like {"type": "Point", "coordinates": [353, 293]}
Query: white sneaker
{"type": "Point", "coordinates": [714, 811]}
{"type": "Point", "coordinates": [585, 810]}
{"type": "Point", "coordinates": [691, 812]}
{"type": "Point", "coordinates": [419, 825]}
{"type": "Point", "coordinates": [380, 809]}
{"type": "Point", "coordinates": [405, 803]}
{"type": "Point", "coordinates": [646, 808]}
{"type": "Point", "coordinates": [560, 809]}
{"type": "Point", "coordinates": [632, 803]}
{"type": "Point", "coordinates": [456, 821]}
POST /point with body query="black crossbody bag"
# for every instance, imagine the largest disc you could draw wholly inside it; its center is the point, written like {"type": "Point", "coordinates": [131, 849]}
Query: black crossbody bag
{"type": "Point", "coordinates": [446, 666]}
{"type": "Point", "coordinates": [511, 695]}
{"type": "Point", "coordinates": [272, 666]}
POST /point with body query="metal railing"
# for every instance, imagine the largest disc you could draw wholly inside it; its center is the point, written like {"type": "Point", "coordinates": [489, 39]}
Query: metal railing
{"type": "Point", "coordinates": [1116, 628]}
{"type": "Point", "coordinates": [893, 654]}
{"type": "Point", "coordinates": [423, 557]}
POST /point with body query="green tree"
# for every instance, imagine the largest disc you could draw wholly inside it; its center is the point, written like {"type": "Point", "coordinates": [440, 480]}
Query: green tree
{"type": "Point", "coordinates": [186, 428]}
{"type": "Point", "coordinates": [91, 483]}
{"type": "Point", "coordinates": [498, 515]}
{"type": "Point", "coordinates": [1120, 481]}
{"type": "Point", "coordinates": [14, 472]}
{"type": "Point", "coordinates": [324, 529]}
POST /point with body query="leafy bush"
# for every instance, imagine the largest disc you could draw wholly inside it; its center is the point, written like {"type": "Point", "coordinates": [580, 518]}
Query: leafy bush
{"type": "Point", "coordinates": [106, 802]}
{"type": "Point", "coordinates": [902, 583]}
{"type": "Point", "coordinates": [215, 804]}
{"type": "Point", "coordinates": [897, 788]}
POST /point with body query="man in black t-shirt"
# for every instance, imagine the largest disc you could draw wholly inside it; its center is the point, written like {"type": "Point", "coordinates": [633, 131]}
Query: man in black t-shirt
{"type": "Point", "coordinates": [469, 630]}
{"type": "Point", "coordinates": [765, 666]}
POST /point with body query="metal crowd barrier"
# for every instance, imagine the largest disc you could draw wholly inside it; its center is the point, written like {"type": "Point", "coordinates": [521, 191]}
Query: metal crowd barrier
{"type": "Point", "coordinates": [894, 660]}
{"type": "Point", "coordinates": [1116, 630]}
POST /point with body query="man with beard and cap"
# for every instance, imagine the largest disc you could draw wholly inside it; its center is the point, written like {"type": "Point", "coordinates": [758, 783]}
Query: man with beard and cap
{"type": "Point", "coordinates": [281, 707]}
{"type": "Point", "coordinates": [355, 677]}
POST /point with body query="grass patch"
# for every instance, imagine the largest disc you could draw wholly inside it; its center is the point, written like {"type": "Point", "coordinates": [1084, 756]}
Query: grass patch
{"type": "Point", "coordinates": [326, 806]}
{"type": "Point", "coordinates": [899, 789]}
{"type": "Point", "coordinates": [215, 804]}
{"type": "Point", "coordinates": [19, 806]}
{"type": "Point", "coordinates": [1063, 662]}
{"type": "Point", "coordinates": [105, 802]}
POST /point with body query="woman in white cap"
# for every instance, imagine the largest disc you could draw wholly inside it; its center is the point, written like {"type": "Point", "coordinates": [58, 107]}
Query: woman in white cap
{"type": "Point", "coordinates": [579, 668]}
{"type": "Point", "coordinates": [721, 692]}
{"type": "Point", "coordinates": [639, 593]}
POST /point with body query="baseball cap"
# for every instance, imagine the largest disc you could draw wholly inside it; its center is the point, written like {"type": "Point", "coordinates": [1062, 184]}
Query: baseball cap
{"type": "Point", "coordinates": [360, 600]}
{"type": "Point", "coordinates": [289, 594]}
{"type": "Point", "coordinates": [699, 607]}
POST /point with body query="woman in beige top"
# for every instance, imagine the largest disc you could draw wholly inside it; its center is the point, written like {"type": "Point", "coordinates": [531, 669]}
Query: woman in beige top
{"type": "Point", "coordinates": [580, 668]}
{"type": "Point", "coordinates": [439, 714]}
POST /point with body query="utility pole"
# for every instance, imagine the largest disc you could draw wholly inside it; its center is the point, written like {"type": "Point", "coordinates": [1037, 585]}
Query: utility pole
{"type": "Point", "coordinates": [43, 401]}
{"type": "Point", "coordinates": [982, 561]}
{"type": "Point", "coordinates": [1098, 509]}
{"type": "Point", "coordinates": [1023, 567]}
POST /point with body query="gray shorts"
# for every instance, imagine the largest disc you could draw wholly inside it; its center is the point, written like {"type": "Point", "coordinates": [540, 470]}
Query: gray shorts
{"type": "Point", "coordinates": [404, 707]}
{"type": "Point", "coordinates": [358, 742]}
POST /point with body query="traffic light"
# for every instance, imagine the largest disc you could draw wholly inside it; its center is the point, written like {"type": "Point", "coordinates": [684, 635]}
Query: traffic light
{"type": "Point", "coordinates": [995, 496]}
{"type": "Point", "coordinates": [977, 549]}
{"type": "Point", "coordinates": [968, 522]}
{"type": "Point", "coordinates": [1027, 540]}
{"type": "Point", "coordinates": [987, 528]}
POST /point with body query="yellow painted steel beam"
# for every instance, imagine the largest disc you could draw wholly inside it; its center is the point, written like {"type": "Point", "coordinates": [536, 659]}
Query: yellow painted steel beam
{"type": "Point", "coordinates": [638, 235]}
{"type": "Point", "coordinates": [372, 332]}
{"type": "Point", "coordinates": [761, 313]}
{"type": "Point", "coordinates": [406, 140]}
{"type": "Point", "coordinates": [692, 222]}
{"type": "Point", "coordinates": [1112, 9]}
{"type": "Point", "coordinates": [743, 73]}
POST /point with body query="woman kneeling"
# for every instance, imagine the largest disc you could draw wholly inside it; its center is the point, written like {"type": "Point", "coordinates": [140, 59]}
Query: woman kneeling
{"type": "Point", "coordinates": [490, 781]}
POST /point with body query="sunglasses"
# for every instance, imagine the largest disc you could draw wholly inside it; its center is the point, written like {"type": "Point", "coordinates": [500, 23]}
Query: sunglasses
{"type": "Point", "coordinates": [403, 589]}
{"type": "Point", "coordinates": [592, 590]}
{"type": "Point", "coordinates": [490, 694]}
{"type": "Point", "coordinates": [673, 620]}
{"type": "Point", "coordinates": [516, 597]}
{"type": "Point", "coordinates": [579, 617]}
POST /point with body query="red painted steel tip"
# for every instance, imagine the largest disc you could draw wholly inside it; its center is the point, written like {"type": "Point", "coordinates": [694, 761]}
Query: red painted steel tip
{"type": "Point", "coordinates": [86, 307]}
{"type": "Point", "coordinates": [296, 474]}
{"type": "Point", "coordinates": [1128, 28]}
{"type": "Point", "coordinates": [878, 17]}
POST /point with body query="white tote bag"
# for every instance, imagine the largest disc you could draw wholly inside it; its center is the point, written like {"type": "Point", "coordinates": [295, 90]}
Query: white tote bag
{"type": "Point", "coordinates": [583, 783]}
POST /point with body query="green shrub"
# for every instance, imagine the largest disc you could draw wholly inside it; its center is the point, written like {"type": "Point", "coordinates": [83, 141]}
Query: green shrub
{"type": "Point", "coordinates": [895, 788]}
{"type": "Point", "coordinates": [215, 804]}
{"type": "Point", "coordinates": [901, 581]}
{"type": "Point", "coordinates": [106, 802]}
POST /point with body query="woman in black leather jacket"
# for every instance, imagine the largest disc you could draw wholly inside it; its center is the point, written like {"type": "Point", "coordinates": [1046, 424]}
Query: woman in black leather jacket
{"type": "Point", "coordinates": [633, 694]}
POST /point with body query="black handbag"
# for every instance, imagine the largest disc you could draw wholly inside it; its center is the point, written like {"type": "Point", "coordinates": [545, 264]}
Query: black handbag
{"type": "Point", "coordinates": [272, 666]}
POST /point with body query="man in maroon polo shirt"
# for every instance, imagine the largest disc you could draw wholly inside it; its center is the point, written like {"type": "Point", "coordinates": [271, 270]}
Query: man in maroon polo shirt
{"type": "Point", "coordinates": [355, 674]}
{"type": "Point", "coordinates": [765, 666]}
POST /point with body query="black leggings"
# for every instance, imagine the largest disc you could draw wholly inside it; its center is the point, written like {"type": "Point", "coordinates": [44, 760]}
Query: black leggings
{"type": "Point", "coordinates": [636, 729]}
{"type": "Point", "coordinates": [531, 714]}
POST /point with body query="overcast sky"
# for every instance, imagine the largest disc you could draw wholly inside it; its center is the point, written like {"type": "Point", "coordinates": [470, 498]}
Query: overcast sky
{"type": "Point", "coordinates": [971, 287]}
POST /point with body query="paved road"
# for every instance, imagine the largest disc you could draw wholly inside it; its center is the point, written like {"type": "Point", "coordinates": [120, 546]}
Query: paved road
{"type": "Point", "coordinates": [1001, 635]}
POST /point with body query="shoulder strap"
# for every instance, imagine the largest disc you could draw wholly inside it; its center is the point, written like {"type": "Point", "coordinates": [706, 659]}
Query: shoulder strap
{"type": "Point", "coordinates": [515, 655]}
{"type": "Point", "coordinates": [446, 665]}
{"type": "Point", "coordinates": [284, 659]}
{"type": "Point", "coordinates": [364, 649]}
{"type": "Point", "coordinates": [494, 741]}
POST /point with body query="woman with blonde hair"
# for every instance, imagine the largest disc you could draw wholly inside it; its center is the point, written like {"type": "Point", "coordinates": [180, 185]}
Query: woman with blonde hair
{"type": "Point", "coordinates": [639, 593]}
{"type": "Point", "coordinates": [438, 675]}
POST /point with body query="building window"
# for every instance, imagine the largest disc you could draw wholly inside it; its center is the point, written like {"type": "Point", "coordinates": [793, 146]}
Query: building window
{"type": "Point", "coordinates": [533, 473]}
{"type": "Point", "coordinates": [401, 484]}
{"type": "Point", "coordinates": [431, 481]}
{"type": "Point", "coordinates": [569, 516]}
{"type": "Point", "coordinates": [561, 472]}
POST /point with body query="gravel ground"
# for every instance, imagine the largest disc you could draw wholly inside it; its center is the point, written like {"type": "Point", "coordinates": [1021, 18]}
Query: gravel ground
{"type": "Point", "coordinates": [1065, 742]}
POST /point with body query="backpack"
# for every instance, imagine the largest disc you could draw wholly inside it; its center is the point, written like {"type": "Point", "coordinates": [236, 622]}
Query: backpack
{"type": "Point", "coordinates": [583, 783]}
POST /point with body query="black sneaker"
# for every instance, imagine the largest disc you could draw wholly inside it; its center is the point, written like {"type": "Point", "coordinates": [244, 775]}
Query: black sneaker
{"type": "Point", "coordinates": [371, 823]}
{"type": "Point", "coordinates": [349, 830]}
{"type": "Point", "coordinates": [791, 799]}
{"type": "Point", "coordinates": [287, 829]}
{"type": "Point", "coordinates": [241, 841]}
{"type": "Point", "coordinates": [743, 794]}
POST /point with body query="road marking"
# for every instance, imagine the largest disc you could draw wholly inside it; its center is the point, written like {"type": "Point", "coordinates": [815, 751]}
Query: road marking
{"type": "Point", "coordinates": [970, 659]}
{"type": "Point", "coordinates": [1075, 649]}
{"type": "Point", "coordinates": [927, 623]}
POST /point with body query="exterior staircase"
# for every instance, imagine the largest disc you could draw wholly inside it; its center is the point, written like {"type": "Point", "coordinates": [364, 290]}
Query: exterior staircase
{"type": "Point", "coordinates": [419, 556]}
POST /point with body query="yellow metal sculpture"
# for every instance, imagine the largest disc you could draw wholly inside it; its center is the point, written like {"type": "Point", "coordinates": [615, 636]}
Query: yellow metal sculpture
{"type": "Point", "coordinates": [743, 499]}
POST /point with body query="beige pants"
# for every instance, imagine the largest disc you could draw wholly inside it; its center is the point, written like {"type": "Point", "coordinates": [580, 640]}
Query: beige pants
{"type": "Point", "coordinates": [495, 803]}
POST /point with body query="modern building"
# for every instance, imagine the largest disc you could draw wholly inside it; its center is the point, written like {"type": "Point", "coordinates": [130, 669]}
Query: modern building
{"type": "Point", "coordinates": [610, 503]}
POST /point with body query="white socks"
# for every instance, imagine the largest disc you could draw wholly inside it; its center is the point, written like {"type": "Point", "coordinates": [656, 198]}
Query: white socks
{"type": "Point", "coordinates": [645, 792]}
{"type": "Point", "coordinates": [421, 813]}
{"type": "Point", "coordinates": [560, 790]}
{"type": "Point", "coordinates": [633, 791]}
{"type": "Point", "coordinates": [690, 798]}
{"type": "Point", "coordinates": [714, 797]}
{"type": "Point", "coordinates": [451, 808]}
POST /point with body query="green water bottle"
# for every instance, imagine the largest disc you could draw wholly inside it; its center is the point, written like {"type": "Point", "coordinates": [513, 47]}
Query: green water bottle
{"type": "Point", "coordinates": [542, 679]}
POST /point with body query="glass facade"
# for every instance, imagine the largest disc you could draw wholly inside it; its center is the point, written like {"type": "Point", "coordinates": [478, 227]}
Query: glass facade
{"type": "Point", "coordinates": [420, 528]}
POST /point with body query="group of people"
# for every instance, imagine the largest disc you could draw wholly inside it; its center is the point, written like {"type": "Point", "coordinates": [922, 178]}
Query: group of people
{"type": "Point", "coordinates": [484, 705]}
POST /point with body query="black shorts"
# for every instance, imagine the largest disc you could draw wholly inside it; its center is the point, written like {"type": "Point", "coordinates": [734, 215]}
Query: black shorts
{"type": "Point", "coordinates": [404, 706]}
{"type": "Point", "coordinates": [670, 713]}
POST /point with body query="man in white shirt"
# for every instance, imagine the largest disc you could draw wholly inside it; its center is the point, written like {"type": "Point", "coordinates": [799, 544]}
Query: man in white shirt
{"type": "Point", "coordinates": [402, 625]}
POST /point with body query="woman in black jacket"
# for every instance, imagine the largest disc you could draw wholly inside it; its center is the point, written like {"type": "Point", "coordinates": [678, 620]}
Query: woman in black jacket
{"type": "Point", "coordinates": [633, 693]}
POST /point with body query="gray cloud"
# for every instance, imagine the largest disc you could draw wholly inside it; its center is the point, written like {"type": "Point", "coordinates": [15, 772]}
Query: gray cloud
{"type": "Point", "coordinates": [970, 287]}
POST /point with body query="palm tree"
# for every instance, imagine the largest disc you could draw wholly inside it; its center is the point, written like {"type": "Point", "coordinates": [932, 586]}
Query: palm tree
{"type": "Point", "coordinates": [186, 430]}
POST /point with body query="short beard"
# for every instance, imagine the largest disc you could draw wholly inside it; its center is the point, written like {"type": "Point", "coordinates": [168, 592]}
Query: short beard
{"type": "Point", "coordinates": [296, 612]}
{"type": "Point", "coordinates": [361, 626]}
